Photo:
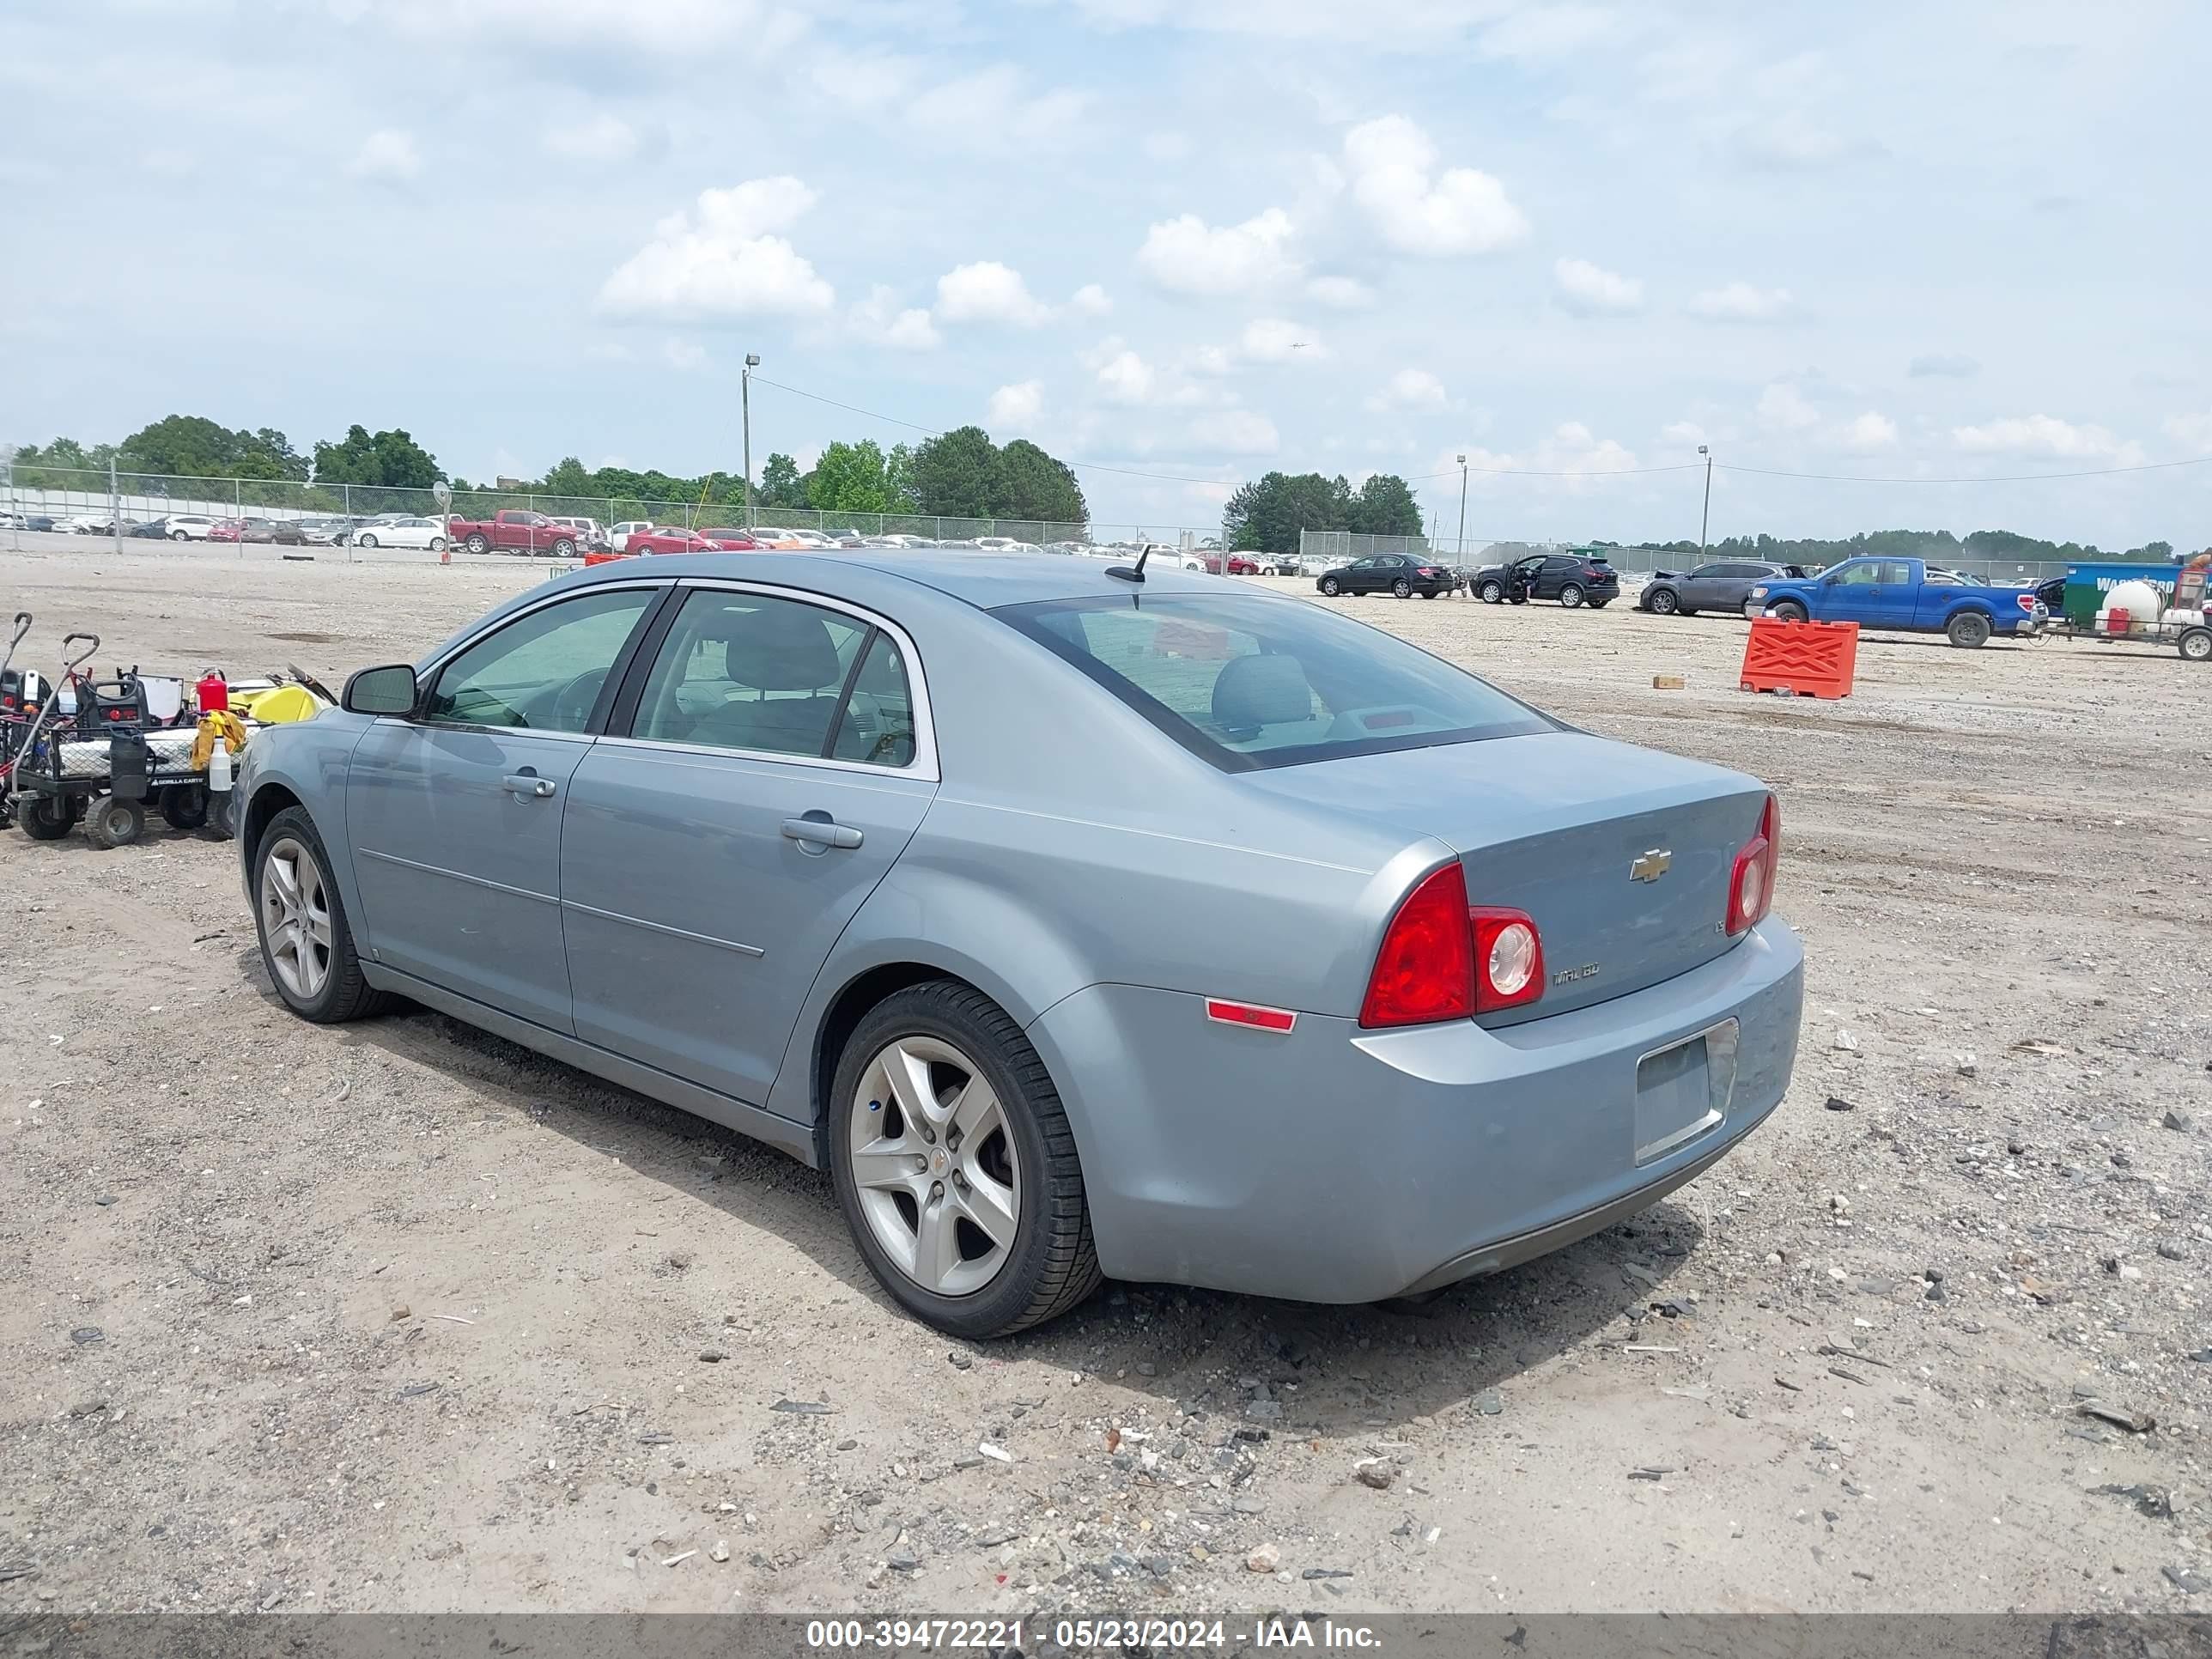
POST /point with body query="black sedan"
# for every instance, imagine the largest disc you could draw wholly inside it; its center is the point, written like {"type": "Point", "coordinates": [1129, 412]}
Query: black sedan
{"type": "Point", "coordinates": [1388, 573]}
{"type": "Point", "coordinates": [1574, 579]}
{"type": "Point", "coordinates": [1724, 584]}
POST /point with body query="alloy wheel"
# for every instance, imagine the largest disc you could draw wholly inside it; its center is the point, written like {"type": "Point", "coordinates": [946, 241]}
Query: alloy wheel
{"type": "Point", "coordinates": [934, 1163]}
{"type": "Point", "coordinates": [296, 919]}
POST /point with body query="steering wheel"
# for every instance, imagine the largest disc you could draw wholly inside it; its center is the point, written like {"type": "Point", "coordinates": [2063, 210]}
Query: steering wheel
{"type": "Point", "coordinates": [574, 703]}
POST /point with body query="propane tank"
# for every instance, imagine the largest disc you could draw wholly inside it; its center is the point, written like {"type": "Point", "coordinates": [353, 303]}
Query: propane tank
{"type": "Point", "coordinates": [219, 770]}
{"type": "Point", "coordinates": [213, 692]}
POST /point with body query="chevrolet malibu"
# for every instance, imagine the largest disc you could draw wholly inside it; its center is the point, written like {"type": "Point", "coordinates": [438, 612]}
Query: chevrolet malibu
{"type": "Point", "coordinates": [1081, 921]}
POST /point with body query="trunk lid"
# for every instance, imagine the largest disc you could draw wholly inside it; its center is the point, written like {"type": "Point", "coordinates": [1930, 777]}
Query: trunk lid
{"type": "Point", "coordinates": [1574, 829]}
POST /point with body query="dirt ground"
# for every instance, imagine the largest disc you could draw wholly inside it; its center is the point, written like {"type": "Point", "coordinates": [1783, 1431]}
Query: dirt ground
{"type": "Point", "coordinates": [398, 1317]}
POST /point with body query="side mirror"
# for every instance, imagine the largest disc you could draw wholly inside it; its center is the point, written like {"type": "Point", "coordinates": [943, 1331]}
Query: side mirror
{"type": "Point", "coordinates": [388, 690]}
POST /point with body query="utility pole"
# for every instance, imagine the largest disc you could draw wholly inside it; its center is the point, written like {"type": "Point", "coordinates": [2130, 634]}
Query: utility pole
{"type": "Point", "coordinates": [1459, 547]}
{"type": "Point", "coordinates": [114, 507]}
{"type": "Point", "coordinates": [745, 403]}
{"type": "Point", "coordinates": [1706, 519]}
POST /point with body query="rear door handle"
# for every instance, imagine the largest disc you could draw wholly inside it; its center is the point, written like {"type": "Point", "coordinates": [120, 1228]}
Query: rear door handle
{"type": "Point", "coordinates": [527, 786]}
{"type": "Point", "coordinates": [822, 832]}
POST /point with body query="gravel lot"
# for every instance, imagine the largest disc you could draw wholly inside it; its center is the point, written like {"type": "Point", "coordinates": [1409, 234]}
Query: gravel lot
{"type": "Point", "coordinates": [398, 1317]}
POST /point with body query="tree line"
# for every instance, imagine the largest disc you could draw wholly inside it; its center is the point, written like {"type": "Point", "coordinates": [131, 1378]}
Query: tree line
{"type": "Point", "coordinates": [956, 474]}
{"type": "Point", "coordinates": [1937, 547]}
{"type": "Point", "coordinates": [1267, 516]}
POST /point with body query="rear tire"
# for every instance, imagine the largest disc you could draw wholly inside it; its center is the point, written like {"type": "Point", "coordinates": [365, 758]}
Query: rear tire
{"type": "Point", "coordinates": [1401, 589]}
{"type": "Point", "coordinates": [1969, 630]}
{"type": "Point", "coordinates": [178, 536]}
{"type": "Point", "coordinates": [185, 808]}
{"type": "Point", "coordinates": [476, 543]}
{"type": "Point", "coordinates": [364, 540]}
{"type": "Point", "coordinates": [110, 823]}
{"type": "Point", "coordinates": [2196, 645]}
{"type": "Point", "coordinates": [1570, 596]}
{"type": "Point", "coordinates": [1051, 1263]}
{"type": "Point", "coordinates": [48, 818]}
{"type": "Point", "coordinates": [437, 544]}
{"type": "Point", "coordinates": [311, 926]}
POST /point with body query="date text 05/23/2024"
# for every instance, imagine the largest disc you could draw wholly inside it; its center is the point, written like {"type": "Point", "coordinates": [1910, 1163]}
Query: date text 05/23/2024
{"type": "Point", "coordinates": [1080, 1635]}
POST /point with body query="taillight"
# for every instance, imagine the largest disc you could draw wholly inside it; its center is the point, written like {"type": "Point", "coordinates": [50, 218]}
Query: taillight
{"type": "Point", "coordinates": [1509, 958]}
{"type": "Point", "coordinates": [2026, 602]}
{"type": "Point", "coordinates": [1750, 882]}
{"type": "Point", "coordinates": [1444, 959]}
{"type": "Point", "coordinates": [1425, 969]}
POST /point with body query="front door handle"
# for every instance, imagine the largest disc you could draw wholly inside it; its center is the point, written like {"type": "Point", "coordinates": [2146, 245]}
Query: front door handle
{"type": "Point", "coordinates": [527, 786]}
{"type": "Point", "coordinates": [822, 832]}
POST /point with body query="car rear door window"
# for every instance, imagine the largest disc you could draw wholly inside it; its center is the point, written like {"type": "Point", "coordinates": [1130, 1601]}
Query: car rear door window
{"type": "Point", "coordinates": [1257, 682]}
{"type": "Point", "coordinates": [876, 726]}
{"type": "Point", "coordinates": [542, 672]}
{"type": "Point", "coordinates": [755, 672]}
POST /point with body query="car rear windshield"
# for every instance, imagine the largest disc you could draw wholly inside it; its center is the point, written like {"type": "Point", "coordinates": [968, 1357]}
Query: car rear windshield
{"type": "Point", "coordinates": [1247, 681]}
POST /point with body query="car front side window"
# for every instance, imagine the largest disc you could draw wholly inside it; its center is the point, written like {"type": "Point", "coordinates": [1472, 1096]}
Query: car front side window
{"type": "Point", "coordinates": [543, 671]}
{"type": "Point", "coordinates": [751, 671]}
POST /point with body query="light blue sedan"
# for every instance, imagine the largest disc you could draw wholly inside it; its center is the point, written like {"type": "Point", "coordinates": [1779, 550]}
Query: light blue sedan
{"type": "Point", "coordinates": [1081, 921]}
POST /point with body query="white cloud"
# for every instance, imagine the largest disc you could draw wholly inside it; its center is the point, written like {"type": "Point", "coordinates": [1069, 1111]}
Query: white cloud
{"type": "Point", "coordinates": [1409, 388]}
{"type": "Point", "coordinates": [1790, 142]}
{"type": "Point", "coordinates": [1572, 454]}
{"type": "Point", "coordinates": [719, 259]}
{"type": "Point", "coordinates": [1017, 405]}
{"type": "Point", "coordinates": [603, 139]}
{"type": "Point", "coordinates": [1274, 340]}
{"type": "Point", "coordinates": [1947, 365]}
{"type": "Point", "coordinates": [1588, 289]}
{"type": "Point", "coordinates": [1237, 432]}
{"type": "Point", "coordinates": [1090, 301]}
{"type": "Point", "coordinates": [1782, 406]}
{"type": "Point", "coordinates": [2045, 435]}
{"type": "Point", "coordinates": [993, 109]}
{"type": "Point", "coordinates": [685, 355]}
{"type": "Point", "coordinates": [686, 26]}
{"type": "Point", "coordinates": [1867, 433]}
{"type": "Point", "coordinates": [987, 291]}
{"type": "Point", "coordinates": [1123, 375]}
{"type": "Point", "coordinates": [1212, 360]}
{"type": "Point", "coordinates": [881, 320]}
{"type": "Point", "coordinates": [1739, 302]}
{"type": "Point", "coordinates": [2194, 431]}
{"type": "Point", "coordinates": [1341, 292]}
{"type": "Point", "coordinates": [1187, 255]}
{"type": "Point", "coordinates": [1418, 211]}
{"type": "Point", "coordinates": [1684, 433]}
{"type": "Point", "coordinates": [1166, 146]}
{"type": "Point", "coordinates": [387, 156]}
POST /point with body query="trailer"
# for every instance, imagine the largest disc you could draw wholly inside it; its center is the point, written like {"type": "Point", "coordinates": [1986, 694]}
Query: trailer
{"type": "Point", "coordinates": [2187, 633]}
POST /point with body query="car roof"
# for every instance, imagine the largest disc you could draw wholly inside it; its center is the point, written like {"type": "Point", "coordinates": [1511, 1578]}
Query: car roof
{"type": "Point", "coordinates": [980, 578]}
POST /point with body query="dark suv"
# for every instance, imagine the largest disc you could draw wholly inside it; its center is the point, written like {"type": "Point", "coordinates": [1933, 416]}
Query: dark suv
{"type": "Point", "coordinates": [1388, 573]}
{"type": "Point", "coordinates": [1573, 579]}
{"type": "Point", "coordinates": [1725, 585]}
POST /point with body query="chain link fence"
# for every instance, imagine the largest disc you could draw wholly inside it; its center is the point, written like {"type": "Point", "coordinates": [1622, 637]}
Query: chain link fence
{"type": "Point", "coordinates": [91, 500]}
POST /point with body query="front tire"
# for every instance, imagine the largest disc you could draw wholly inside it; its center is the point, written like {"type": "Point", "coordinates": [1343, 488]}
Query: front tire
{"type": "Point", "coordinates": [110, 822]}
{"type": "Point", "coordinates": [1969, 630]}
{"type": "Point", "coordinates": [1491, 593]}
{"type": "Point", "coordinates": [1786, 611]}
{"type": "Point", "coordinates": [305, 943]}
{"type": "Point", "coordinates": [564, 549]}
{"type": "Point", "coordinates": [185, 808]}
{"type": "Point", "coordinates": [1571, 596]}
{"type": "Point", "coordinates": [1662, 601]}
{"type": "Point", "coordinates": [1329, 586]}
{"type": "Point", "coordinates": [955, 1165]}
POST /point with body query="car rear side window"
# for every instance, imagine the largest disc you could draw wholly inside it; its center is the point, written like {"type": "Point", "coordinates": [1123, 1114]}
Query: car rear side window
{"type": "Point", "coordinates": [1246, 683]}
{"type": "Point", "coordinates": [771, 676]}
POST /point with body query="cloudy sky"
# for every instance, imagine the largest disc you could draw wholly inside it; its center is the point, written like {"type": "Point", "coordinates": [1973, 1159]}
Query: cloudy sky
{"type": "Point", "coordinates": [1189, 239]}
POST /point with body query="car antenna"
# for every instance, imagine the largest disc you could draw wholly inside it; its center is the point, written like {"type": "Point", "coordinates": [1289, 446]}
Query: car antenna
{"type": "Point", "coordinates": [1131, 573]}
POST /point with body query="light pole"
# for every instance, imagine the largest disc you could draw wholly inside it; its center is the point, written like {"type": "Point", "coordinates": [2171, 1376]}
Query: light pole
{"type": "Point", "coordinates": [1460, 546]}
{"type": "Point", "coordinates": [745, 403]}
{"type": "Point", "coordinates": [1705, 518]}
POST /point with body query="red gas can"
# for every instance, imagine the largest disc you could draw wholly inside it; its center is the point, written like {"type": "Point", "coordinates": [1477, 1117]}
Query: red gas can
{"type": "Point", "coordinates": [213, 692]}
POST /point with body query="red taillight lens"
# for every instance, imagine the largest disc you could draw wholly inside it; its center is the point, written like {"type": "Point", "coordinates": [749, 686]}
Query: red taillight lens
{"type": "Point", "coordinates": [1425, 969]}
{"type": "Point", "coordinates": [1751, 883]}
{"type": "Point", "coordinates": [1509, 958]}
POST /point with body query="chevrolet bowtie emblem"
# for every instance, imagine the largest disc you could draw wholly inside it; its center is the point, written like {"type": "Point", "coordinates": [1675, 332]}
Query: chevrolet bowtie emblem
{"type": "Point", "coordinates": [1652, 865]}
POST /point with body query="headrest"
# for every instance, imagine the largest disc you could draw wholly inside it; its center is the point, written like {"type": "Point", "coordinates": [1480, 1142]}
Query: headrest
{"type": "Point", "coordinates": [1261, 690]}
{"type": "Point", "coordinates": [778, 648]}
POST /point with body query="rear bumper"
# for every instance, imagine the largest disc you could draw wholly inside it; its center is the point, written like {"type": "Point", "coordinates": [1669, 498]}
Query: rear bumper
{"type": "Point", "coordinates": [1330, 1164]}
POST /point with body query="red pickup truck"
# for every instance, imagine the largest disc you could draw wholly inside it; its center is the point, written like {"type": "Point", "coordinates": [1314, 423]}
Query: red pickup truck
{"type": "Point", "coordinates": [514, 532]}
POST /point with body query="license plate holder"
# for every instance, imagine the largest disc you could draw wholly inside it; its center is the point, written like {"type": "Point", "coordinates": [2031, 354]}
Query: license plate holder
{"type": "Point", "coordinates": [1682, 1091]}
